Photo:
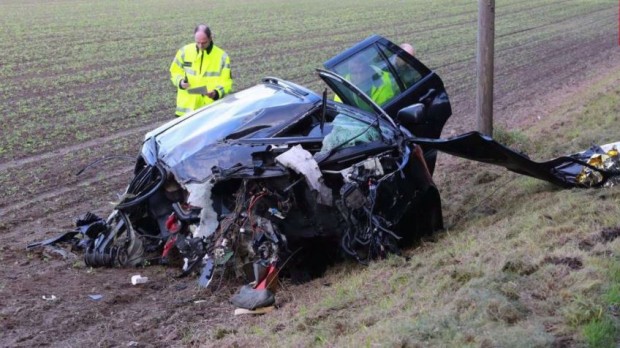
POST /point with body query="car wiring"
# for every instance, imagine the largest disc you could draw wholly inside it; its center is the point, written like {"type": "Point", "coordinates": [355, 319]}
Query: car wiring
{"type": "Point", "coordinates": [142, 186]}
{"type": "Point", "coordinates": [127, 157]}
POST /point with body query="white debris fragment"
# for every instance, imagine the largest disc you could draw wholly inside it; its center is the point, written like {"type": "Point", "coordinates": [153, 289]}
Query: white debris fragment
{"type": "Point", "coordinates": [138, 279]}
{"type": "Point", "coordinates": [302, 162]}
{"type": "Point", "coordinates": [200, 196]}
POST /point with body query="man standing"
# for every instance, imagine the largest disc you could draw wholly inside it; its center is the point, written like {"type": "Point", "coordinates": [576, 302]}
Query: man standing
{"type": "Point", "coordinates": [201, 72]}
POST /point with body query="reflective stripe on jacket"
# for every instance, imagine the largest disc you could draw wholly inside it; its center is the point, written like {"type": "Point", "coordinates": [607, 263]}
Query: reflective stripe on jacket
{"type": "Point", "coordinates": [209, 68]}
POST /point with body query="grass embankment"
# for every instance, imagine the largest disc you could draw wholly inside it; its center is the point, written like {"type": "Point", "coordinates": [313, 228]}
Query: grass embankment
{"type": "Point", "coordinates": [521, 263]}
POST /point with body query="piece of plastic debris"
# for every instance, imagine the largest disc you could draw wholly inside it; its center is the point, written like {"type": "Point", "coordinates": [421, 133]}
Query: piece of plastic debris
{"type": "Point", "coordinates": [206, 274]}
{"type": "Point", "coordinates": [138, 279]}
{"type": "Point", "coordinates": [275, 212]}
{"type": "Point", "coordinates": [132, 344]}
{"type": "Point", "coordinates": [262, 310]}
{"type": "Point", "coordinates": [49, 298]}
{"type": "Point", "coordinates": [96, 297]}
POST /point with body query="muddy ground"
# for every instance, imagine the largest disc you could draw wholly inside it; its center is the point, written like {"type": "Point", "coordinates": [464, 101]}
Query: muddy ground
{"type": "Point", "coordinates": [45, 294]}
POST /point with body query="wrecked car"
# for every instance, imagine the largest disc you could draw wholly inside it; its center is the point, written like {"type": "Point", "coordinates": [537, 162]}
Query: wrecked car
{"type": "Point", "coordinates": [266, 173]}
{"type": "Point", "coordinates": [278, 175]}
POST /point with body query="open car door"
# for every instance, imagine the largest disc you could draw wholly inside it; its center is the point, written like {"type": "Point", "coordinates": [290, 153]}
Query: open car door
{"type": "Point", "coordinates": [394, 80]}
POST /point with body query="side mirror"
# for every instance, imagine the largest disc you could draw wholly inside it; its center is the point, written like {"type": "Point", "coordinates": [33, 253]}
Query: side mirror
{"type": "Point", "coordinates": [411, 115]}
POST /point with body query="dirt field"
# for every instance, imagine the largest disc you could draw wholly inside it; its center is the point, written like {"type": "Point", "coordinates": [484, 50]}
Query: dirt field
{"type": "Point", "coordinates": [45, 295]}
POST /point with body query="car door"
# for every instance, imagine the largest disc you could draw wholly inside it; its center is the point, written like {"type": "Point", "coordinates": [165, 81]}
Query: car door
{"type": "Point", "coordinates": [394, 80]}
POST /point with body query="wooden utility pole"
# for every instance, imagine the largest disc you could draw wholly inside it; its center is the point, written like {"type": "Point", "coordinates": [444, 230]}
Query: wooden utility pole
{"type": "Point", "coordinates": [486, 48]}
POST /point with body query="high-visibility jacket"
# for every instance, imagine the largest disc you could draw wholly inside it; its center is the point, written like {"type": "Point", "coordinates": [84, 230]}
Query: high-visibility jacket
{"type": "Point", "coordinates": [209, 68]}
{"type": "Point", "coordinates": [382, 89]}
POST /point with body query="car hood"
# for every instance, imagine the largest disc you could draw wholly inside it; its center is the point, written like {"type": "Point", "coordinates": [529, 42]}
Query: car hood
{"type": "Point", "coordinates": [190, 146]}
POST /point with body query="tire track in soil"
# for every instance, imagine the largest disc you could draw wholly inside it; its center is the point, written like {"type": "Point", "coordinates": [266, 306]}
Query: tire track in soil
{"type": "Point", "coordinates": [63, 190]}
{"type": "Point", "coordinates": [551, 64]}
{"type": "Point", "coordinates": [49, 214]}
{"type": "Point", "coordinates": [77, 147]}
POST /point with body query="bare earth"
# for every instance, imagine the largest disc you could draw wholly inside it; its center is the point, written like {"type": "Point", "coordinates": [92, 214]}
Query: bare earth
{"type": "Point", "coordinates": [44, 294]}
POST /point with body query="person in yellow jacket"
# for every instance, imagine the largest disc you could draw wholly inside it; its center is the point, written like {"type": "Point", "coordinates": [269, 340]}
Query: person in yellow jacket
{"type": "Point", "coordinates": [376, 83]}
{"type": "Point", "coordinates": [201, 72]}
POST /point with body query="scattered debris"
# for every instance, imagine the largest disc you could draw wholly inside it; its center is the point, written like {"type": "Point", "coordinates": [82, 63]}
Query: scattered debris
{"type": "Point", "coordinates": [49, 298]}
{"type": "Point", "coordinates": [96, 297]}
{"type": "Point", "coordinates": [67, 236]}
{"type": "Point", "coordinates": [261, 292]}
{"type": "Point", "coordinates": [138, 279]}
{"type": "Point", "coordinates": [565, 171]}
{"type": "Point", "coordinates": [262, 310]}
{"type": "Point", "coordinates": [62, 252]}
{"type": "Point", "coordinates": [599, 159]}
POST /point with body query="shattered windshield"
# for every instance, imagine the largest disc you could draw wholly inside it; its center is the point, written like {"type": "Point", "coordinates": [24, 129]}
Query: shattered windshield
{"type": "Point", "coordinates": [349, 131]}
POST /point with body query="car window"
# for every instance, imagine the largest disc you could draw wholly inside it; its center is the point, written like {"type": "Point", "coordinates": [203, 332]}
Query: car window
{"type": "Point", "coordinates": [369, 70]}
{"type": "Point", "coordinates": [405, 72]}
{"type": "Point", "coordinates": [349, 96]}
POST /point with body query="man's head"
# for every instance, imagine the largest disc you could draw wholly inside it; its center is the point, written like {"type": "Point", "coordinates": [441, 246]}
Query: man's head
{"type": "Point", "coordinates": [360, 71]}
{"type": "Point", "coordinates": [408, 48]}
{"type": "Point", "coordinates": [202, 35]}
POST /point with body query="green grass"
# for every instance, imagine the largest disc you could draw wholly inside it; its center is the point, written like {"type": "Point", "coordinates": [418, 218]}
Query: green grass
{"type": "Point", "coordinates": [603, 329]}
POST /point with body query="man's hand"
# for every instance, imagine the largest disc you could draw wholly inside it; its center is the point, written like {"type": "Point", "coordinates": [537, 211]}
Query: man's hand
{"type": "Point", "coordinates": [183, 84]}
